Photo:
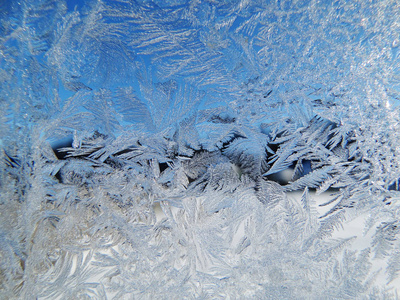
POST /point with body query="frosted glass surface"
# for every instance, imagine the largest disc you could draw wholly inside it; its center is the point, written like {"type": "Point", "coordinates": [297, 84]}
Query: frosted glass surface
{"type": "Point", "coordinates": [199, 149]}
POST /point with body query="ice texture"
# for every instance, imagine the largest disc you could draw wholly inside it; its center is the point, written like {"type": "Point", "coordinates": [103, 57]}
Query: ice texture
{"type": "Point", "coordinates": [143, 147]}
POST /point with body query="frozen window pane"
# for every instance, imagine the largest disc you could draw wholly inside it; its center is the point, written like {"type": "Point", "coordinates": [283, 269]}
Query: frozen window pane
{"type": "Point", "coordinates": [199, 149]}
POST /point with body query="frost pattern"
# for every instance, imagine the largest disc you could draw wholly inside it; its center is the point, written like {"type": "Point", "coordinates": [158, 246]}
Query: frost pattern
{"type": "Point", "coordinates": [141, 142]}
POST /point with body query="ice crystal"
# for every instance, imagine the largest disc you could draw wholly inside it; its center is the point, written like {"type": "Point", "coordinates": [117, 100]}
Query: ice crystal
{"type": "Point", "coordinates": [144, 146]}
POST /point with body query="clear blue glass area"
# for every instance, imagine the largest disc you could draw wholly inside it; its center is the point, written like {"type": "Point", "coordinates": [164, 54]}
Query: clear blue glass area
{"type": "Point", "coordinates": [199, 149]}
